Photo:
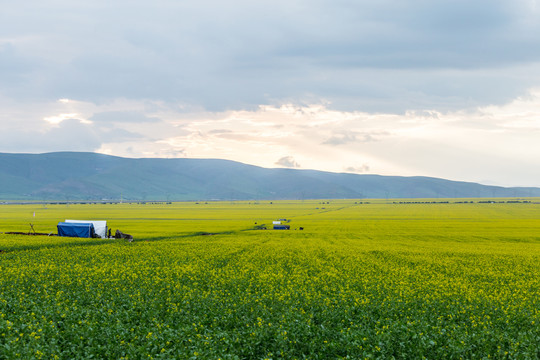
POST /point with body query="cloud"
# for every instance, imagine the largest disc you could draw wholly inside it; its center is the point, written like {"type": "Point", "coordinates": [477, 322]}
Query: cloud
{"type": "Point", "coordinates": [120, 135]}
{"type": "Point", "coordinates": [461, 145]}
{"type": "Point", "coordinates": [69, 135]}
{"type": "Point", "coordinates": [14, 66]}
{"type": "Point", "coordinates": [364, 168]}
{"type": "Point", "coordinates": [219, 131]}
{"type": "Point", "coordinates": [287, 161]}
{"type": "Point", "coordinates": [358, 55]}
{"type": "Point", "coordinates": [122, 116]}
{"type": "Point", "coordinates": [340, 139]}
{"type": "Point", "coordinates": [57, 119]}
{"type": "Point", "coordinates": [351, 136]}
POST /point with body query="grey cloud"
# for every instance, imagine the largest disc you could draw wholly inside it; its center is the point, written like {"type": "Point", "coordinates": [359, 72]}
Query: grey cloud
{"type": "Point", "coordinates": [364, 168]}
{"type": "Point", "coordinates": [123, 117]}
{"type": "Point", "coordinates": [350, 136]}
{"type": "Point", "coordinates": [288, 161]}
{"type": "Point", "coordinates": [378, 56]}
{"type": "Point", "coordinates": [14, 68]}
{"type": "Point", "coordinates": [420, 34]}
{"type": "Point", "coordinates": [237, 136]}
{"type": "Point", "coordinates": [119, 135]}
{"type": "Point", "coordinates": [219, 131]}
{"type": "Point", "coordinates": [69, 135]}
{"type": "Point", "coordinates": [341, 139]}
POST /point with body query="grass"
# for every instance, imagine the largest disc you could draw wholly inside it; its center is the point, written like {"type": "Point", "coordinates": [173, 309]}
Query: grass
{"type": "Point", "coordinates": [377, 280]}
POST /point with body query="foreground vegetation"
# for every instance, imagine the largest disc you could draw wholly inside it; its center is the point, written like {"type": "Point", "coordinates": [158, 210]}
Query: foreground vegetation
{"type": "Point", "coordinates": [362, 280]}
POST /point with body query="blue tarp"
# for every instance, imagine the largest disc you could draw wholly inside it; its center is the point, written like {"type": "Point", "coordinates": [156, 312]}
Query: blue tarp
{"type": "Point", "coordinates": [85, 230]}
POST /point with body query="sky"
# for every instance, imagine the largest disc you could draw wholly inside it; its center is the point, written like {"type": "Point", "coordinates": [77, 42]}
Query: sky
{"type": "Point", "coordinates": [441, 88]}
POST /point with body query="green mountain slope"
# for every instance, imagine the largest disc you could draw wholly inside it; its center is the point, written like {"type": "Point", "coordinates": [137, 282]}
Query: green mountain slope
{"type": "Point", "coordinates": [90, 176]}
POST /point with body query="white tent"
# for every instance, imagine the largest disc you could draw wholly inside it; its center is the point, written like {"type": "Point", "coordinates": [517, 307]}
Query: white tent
{"type": "Point", "coordinates": [100, 226]}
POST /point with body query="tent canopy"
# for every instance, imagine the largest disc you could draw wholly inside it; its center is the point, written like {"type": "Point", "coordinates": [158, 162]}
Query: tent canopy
{"type": "Point", "coordinates": [85, 230]}
{"type": "Point", "coordinates": [100, 226]}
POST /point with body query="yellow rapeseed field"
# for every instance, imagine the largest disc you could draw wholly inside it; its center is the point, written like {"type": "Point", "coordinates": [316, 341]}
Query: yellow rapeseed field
{"type": "Point", "coordinates": [363, 280]}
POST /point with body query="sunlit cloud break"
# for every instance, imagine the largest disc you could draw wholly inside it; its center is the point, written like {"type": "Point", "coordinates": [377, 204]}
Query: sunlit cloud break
{"type": "Point", "coordinates": [450, 145]}
{"type": "Point", "coordinates": [57, 119]}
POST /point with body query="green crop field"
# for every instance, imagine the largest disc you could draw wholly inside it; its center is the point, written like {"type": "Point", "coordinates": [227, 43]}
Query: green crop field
{"type": "Point", "coordinates": [376, 280]}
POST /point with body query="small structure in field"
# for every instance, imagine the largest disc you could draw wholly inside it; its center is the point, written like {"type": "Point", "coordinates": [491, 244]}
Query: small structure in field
{"type": "Point", "coordinates": [84, 230]}
{"type": "Point", "coordinates": [100, 226]}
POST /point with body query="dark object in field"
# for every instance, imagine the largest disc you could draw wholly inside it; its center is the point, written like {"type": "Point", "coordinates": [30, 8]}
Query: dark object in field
{"type": "Point", "coordinates": [121, 235]}
{"type": "Point", "coordinates": [282, 227]}
{"type": "Point", "coordinates": [82, 230]}
{"type": "Point", "coordinates": [109, 233]}
{"type": "Point", "coordinates": [301, 228]}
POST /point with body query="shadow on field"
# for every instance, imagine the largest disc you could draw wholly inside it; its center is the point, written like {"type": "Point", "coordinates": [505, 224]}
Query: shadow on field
{"type": "Point", "coordinates": [190, 235]}
{"type": "Point", "coordinates": [196, 234]}
{"type": "Point", "coordinates": [93, 242]}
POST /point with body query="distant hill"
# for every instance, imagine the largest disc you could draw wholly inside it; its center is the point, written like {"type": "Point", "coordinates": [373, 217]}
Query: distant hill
{"type": "Point", "coordinates": [89, 176]}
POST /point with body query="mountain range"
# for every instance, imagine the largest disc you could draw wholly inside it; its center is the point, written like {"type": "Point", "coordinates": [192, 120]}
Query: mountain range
{"type": "Point", "coordinates": [79, 176]}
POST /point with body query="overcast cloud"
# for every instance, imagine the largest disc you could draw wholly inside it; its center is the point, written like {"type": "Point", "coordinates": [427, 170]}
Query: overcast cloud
{"type": "Point", "coordinates": [438, 88]}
